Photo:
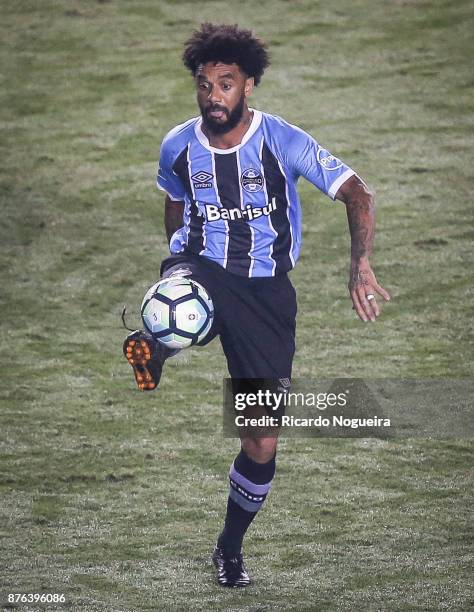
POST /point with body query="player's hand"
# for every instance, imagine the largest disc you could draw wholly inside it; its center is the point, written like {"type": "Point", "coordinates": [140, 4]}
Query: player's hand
{"type": "Point", "coordinates": [363, 287]}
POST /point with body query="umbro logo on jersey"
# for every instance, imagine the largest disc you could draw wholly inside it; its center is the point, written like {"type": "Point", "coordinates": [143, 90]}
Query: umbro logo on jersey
{"type": "Point", "coordinates": [202, 180]}
{"type": "Point", "coordinates": [251, 180]}
{"type": "Point", "coordinates": [216, 213]}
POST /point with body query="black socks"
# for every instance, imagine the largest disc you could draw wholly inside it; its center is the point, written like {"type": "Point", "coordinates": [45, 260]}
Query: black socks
{"type": "Point", "coordinates": [250, 483]}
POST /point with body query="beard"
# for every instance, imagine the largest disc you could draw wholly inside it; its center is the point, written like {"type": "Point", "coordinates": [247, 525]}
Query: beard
{"type": "Point", "coordinates": [233, 117]}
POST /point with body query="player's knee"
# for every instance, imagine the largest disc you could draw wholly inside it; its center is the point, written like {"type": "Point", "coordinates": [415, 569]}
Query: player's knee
{"type": "Point", "coordinates": [260, 450]}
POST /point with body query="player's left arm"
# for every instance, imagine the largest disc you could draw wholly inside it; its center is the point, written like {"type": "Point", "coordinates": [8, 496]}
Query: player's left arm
{"type": "Point", "coordinates": [360, 208]}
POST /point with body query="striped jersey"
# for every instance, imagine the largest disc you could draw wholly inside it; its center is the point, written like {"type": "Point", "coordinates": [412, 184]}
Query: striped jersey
{"type": "Point", "coordinates": [241, 206]}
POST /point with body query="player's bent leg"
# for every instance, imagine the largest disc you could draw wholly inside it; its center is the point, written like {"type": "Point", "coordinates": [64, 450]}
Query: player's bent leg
{"type": "Point", "coordinates": [177, 312]}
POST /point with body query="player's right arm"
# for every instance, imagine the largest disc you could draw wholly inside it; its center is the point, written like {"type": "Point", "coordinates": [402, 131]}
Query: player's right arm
{"type": "Point", "coordinates": [173, 216]}
{"type": "Point", "coordinates": [168, 181]}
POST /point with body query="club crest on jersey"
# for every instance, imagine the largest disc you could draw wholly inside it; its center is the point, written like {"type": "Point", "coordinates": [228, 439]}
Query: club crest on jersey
{"type": "Point", "coordinates": [251, 180]}
{"type": "Point", "coordinates": [328, 161]}
{"type": "Point", "coordinates": [217, 213]}
{"type": "Point", "coordinates": [202, 180]}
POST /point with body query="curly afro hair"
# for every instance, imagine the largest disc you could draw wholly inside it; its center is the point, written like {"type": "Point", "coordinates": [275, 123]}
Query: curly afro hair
{"type": "Point", "coordinates": [227, 44]}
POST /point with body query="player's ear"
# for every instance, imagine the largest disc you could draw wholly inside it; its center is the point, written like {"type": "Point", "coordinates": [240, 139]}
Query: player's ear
{"type": "Point", "coordinates": [249, 84]}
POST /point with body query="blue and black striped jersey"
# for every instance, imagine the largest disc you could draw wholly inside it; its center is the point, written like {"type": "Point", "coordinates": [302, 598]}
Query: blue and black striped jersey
{"type": "Point", "coordinates": [241, 204]}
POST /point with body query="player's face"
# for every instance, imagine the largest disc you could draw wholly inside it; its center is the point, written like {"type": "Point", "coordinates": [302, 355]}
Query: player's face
{"type": "Point", "coordinates": [222, 90]}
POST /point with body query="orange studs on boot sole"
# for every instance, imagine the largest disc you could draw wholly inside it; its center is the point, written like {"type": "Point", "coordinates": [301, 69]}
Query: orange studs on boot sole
{"type": "Point", "coordinates": [138, 355]}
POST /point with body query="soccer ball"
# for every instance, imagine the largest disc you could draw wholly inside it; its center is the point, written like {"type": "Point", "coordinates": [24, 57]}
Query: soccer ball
{"type": "Point", "coordinates": [177, 312]}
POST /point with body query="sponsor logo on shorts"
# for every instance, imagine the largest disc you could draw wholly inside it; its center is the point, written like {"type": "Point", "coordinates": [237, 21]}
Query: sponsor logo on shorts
{"type": "Point", "coordinates": [251, 180]}
{"type": "Point", "coordinates": [202, 180]}
{"type": "Point", "coordinates": [217, 213]}
{"type": "Point", "coordinates": [328, 161]}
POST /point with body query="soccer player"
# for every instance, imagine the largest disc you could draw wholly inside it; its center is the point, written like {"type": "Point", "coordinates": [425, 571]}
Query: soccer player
{"type": "Point", "coordinates": [233, 221]}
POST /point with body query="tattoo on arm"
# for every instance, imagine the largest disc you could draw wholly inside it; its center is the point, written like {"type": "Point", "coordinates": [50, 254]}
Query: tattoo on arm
{"type": "Point", "coordinates": [361, 217]}
{"type": "Point", "coordinates": [361, 227]}
{"type": "Point", "coordinates": [357, 277]}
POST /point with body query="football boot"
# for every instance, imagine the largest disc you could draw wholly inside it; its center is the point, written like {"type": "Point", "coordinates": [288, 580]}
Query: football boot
{"type": "Point", "coordinates": [146, 356]}
{"type": "Point", "coordinates": [231, 571]}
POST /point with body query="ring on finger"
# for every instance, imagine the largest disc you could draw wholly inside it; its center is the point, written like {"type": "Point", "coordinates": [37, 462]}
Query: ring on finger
{"type": "Point", "coordinates": [370, 296]}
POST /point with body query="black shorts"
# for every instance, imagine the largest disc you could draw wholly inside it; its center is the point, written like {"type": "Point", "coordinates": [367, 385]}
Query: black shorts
{"type": "Point", "coordinates": [255, 318]}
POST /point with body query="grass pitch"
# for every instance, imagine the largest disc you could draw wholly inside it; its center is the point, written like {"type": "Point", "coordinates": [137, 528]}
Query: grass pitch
{"type": "Point", "coordinates": [115, 498]}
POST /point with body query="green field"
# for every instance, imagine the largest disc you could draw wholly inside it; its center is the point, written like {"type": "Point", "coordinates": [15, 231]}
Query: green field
{"type": "Point", "coordinates": [115, 498]}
